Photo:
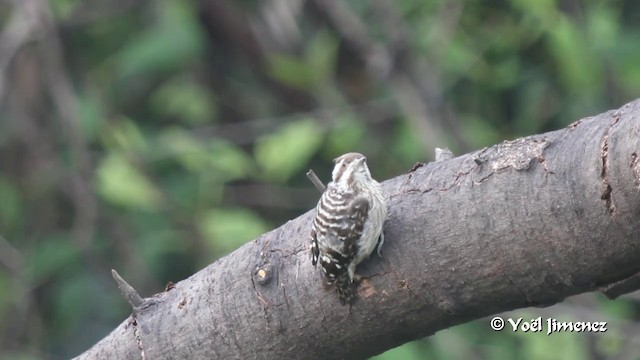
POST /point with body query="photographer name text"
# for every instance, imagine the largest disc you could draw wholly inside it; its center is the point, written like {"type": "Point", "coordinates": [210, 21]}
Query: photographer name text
{"type": "Point", "coordinates": [549, 325]}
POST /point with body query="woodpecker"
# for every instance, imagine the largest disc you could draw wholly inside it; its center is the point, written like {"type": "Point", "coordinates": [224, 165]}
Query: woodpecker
{"type": "Point", "coordinates": [348, 224]}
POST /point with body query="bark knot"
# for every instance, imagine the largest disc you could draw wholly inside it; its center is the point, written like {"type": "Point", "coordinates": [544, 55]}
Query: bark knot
{"type": "Point", "coordinates": [263, 275]}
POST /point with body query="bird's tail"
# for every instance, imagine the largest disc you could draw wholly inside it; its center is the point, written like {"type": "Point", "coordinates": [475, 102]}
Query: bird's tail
{"type": "Point", "coordinates": [344, 288]}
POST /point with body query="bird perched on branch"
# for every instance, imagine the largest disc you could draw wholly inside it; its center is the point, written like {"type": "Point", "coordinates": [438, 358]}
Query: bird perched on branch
{"type": "Point", "coordinates": [348, 224]}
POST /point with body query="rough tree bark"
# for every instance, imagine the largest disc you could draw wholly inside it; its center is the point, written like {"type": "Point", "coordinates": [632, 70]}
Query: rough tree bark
{"type": "Point", "coordinates": [523, 223]}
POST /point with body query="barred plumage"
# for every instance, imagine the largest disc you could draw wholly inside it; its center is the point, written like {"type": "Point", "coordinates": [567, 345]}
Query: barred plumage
{"type": "Point", "coordinates": [348, 223]}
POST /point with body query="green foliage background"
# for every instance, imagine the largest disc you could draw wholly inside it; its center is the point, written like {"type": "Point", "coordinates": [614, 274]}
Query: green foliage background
{"type": "Point", "coordinates": [154, 137]}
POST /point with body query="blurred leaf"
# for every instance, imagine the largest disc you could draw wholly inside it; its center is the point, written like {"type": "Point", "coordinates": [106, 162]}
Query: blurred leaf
{"type": "Point", "coordinates": [174, 41]}
{"type": "Point", "coordinates": [321, 56]}
{"type": "Point", "coordinates": [51, 255]}
{"type": "Point", "coordinates": [455, 343]}
{"type": "Point", "coordinates": [346, 135]}
{"type": "Point", "coordinates": [566, 345]}
{"type": "Point", "coordinates": [69, 298]}
{"type": "Point", "coordinates": [125, 136]}
{"type": "Point", "coordinates": [536, 345]}
{"type": "Point", "coordinates": [290, 71]}
{"type": "Point", "coordinates": [90, 115]}
{"type": "Point", "coordinates": [7, 297]}
{"type": "Point", "coordinates": [8, 355]}
{"type": "Point", "coordinates": [407, 143]}
{"type": "Point", "coordinates": [611, 344]}
{"type": "Point", "coordinates": [621, 308]}
{"type": "Point", "coordinates": [544, 12]}
{"type": "Point", "coordinates": [121, 183]}
{"type": "Point", "coordinates": [460, 57]}
{"type": "Point", "coordinates": [222, 160]}
{"type": "Point", "coordinates": [63, 8]}
{"type": "Point", "coordinates": [184, 99]}
{"type": "Point", "coordinates": [185, 194]}
{"type": "Point", "coordinates": [625, 60]}
{"type": "Point", "coordinates": [479, 132]}
{"type": "Point", "coordinates": [315, 68]}
{"type": "Point", "coordinates": [578, 66]}
{"type": "Point", "coordinates": [499, 346]}
{"type": "Point", "coordinates": [161, 241]}
{"type": "Point", "coordinates": [536, 105]}
{"type": "Point", "coordinates": [10, 206]}
{"type": "Point", "coordinates": [603, 27]}
{"type": "Point", "coordinates": [285, 152]}
{"type": "Point", "coordinates": [185, 148]}
{"type": "Point", "coordinates": [229, 161]}
{"type": "Point", "coordinates": [505, 74]}
{"type": "Point", "coordinates": [227, 229]}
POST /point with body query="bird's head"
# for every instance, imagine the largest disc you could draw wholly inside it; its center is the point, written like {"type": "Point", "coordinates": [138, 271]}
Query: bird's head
{"type": "Point", "coordinates": [351, 169]}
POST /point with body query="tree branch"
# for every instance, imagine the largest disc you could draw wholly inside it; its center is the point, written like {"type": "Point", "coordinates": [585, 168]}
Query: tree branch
{"type": "Point", "coordinates": [128, 292]}
{"type": "Point", "coordinates": [316, 181]}
{"type": "Point", "coordinates": [523, 223]}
